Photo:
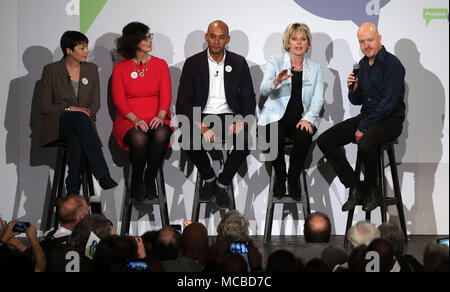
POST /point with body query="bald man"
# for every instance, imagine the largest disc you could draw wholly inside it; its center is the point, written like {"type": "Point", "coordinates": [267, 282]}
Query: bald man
{"type": "Point", "coordinates": [380, 88]}
{"type": "Point", "coordinates": [216, 84]}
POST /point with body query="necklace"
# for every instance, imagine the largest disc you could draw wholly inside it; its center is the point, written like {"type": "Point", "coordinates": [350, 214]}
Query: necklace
{"type": "Point", "coordinates": [141, 72]}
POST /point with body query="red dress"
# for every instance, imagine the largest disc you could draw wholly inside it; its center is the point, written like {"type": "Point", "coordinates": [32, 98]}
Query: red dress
{"type": "Point", "coordinates": [144, 96]}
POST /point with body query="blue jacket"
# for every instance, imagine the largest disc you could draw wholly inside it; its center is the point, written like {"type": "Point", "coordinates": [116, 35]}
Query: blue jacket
{"type": "Point", "coordinates": [278, 98]}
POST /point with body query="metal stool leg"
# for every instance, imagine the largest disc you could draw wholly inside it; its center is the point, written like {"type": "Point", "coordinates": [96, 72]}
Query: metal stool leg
{"type": "Point", "coordinates": [57, 185]}
{"type": "Point", "coordinates": [397, 191]}
{"type": "Point", "coordinates": [270, 209]}
{"type": "Point", "coordinates": [60, 184]}
{"type": "Point", "coordinates": [161, 191]}
{"type": "Point", "coordinates": [127, 207]}
{"type": "Point", "coordinates": [349, 224]}
{"type": "Point", "coordinates": [305, 197]}
{"type": "Point", "coordinates": [196, 203]}
{"type": "Point", "coordinates": [382, 186]}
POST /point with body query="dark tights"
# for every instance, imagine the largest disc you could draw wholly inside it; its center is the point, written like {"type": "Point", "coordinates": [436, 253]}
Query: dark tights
{"type": "Point", "coordinates": [147, 149]}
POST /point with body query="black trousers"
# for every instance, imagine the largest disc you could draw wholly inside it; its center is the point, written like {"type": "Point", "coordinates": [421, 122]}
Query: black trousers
{"type": "Point", "coordinates": [82, 139]}
{"type": "Point", "coordinates": [302, 142]}
{"type": "Point", "coordinates": [235, 158]}
{"type": "Point", "coordinates": [331, 141]}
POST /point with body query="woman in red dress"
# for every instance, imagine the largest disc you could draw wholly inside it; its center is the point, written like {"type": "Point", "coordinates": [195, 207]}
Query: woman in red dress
{"type": "Point", "coordinates": [141, 91]}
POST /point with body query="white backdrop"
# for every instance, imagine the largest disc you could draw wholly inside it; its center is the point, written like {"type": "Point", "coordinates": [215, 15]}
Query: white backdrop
{"type": "Point", "coordinates": [30, 32]}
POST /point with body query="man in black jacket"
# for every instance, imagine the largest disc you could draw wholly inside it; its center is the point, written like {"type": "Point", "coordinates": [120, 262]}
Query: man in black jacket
{"type": "Point", "coordinates": [379, 87]}
{"type": "Point", "coordinates": [216, 86]}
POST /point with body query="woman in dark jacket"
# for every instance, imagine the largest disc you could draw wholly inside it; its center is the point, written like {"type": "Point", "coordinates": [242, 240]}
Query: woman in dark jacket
{"type": "Point", "coordinates": [70, 98]}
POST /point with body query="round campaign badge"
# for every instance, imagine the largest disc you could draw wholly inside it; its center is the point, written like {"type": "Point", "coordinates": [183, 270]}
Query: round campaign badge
{"type": "Point", "coordinates": [85, 81]}
{"type": "Point", "coordinates": [228, 68]}
{"type": "Point", "coordinates": [134, 75]}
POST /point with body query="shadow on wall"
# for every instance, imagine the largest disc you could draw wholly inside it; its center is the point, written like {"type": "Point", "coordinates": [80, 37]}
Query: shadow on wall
{"type": "Point", "coordinates": [22, 122]}
{"type": "Point", "coordinates": [420, 148]}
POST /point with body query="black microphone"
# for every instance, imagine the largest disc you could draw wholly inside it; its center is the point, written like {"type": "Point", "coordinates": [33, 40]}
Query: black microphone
{"type": "Point", "coordinates": [355, 72]}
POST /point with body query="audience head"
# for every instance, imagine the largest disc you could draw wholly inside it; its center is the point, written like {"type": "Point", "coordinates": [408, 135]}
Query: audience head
{"type": "Point", "coordinates": [96, 223]}
{"type": "Point", "coordinates": [234, 263]}
{"type": "Point", "coordinates": [317, 228]}
{"type": "Point", "coordinates": [294, 30]}
{"type": "Point", "coordinates": [133, 34]}
{"type": "Point", "coordinates": [435, 258]}
{"type": "Point", "coordinates": [334, 256]}
{"type": "Point", "coordinates": [316, 266]}
{"type": "Point", "coordinates": [72, 209]}
{"type": "Point", "coordinates": [167, 245]}
{"type": "Point", "coordinates": [394, 235]}
{"type": "Point", "coordinates": [194, 242]}
{"type": "Point", "coordinates": [282, 261]}
{"type": "Point", "coordinates": [70, 39]}
{"type": "Point", "coordinates": [233, 227]}
{"type": "Point", "coordinates": [149, 239]}
{"type": "Point", "coordinates": [385, 252]}
{"type": "Point", "coordinates": [362, 233]}
{"type": "Point", "coordinates": [356, 259]}
{"type": "Point", "coordinates": [113, 252]}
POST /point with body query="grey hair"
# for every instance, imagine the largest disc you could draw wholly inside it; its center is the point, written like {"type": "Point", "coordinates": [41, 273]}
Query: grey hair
{"type": "Point", "coordinates": [233, 226]}
{"type": "Point", "coordinates": [362, 233]}
{"type": "Point", "coordinates": [394, 235]}
{"type": "Point", "coordinates": [96, 223]}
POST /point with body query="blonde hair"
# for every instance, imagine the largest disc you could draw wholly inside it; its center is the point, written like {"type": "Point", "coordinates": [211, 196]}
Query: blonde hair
{"type": "Point", "coordinates": [362, 234]}
{"type": "Point", "coordinates": [293, 29]}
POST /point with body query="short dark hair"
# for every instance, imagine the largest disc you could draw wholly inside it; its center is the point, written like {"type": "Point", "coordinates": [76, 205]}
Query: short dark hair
{"type": "Point", "coordinates": [386, 252]}
{"type": "Point", "coordinates": [312, 235]}
{"type": "Point", "coordinates": [132, 34]}
{"type": "Point", "coordinates": [282, 261]}
{"type": "Point", "coordinates": [70, 39]}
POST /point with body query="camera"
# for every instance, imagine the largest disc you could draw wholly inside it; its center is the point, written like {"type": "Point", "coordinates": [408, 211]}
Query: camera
{"type": "Point", "coordinates": [443, 241]}
{"type": "Point", "coordinates": [137, 266]}
{"type": "Point", "coordinates": [239, 247]}
{"type": "Point", "coordinates": [21, 227]}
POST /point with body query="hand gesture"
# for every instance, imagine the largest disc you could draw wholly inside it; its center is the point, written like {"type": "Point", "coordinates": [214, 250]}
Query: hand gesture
{"type": "Point", "coordinates": [305, 125]}
{"type": "Point", "coordinates": [141, 248]}
{"type": "Point", "coordinates": [283, 76]}
{"type": "Point", "coordinates": [208, 134]}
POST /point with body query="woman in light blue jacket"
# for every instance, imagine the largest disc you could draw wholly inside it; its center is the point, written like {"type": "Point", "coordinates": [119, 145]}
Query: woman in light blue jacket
{"type": "Point", "coordinates": [294, 86]}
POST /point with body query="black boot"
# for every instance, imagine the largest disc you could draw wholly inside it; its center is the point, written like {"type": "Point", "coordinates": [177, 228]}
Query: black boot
{"type": "Point", "coordinates": [137, 188]}
{"type": "Point", "coordinates": [279, 188]}
{"type": "Point", "coordinates": [150, 186]}
{"type": "Point", "coordinates": [354, 197]}
{"type": "Point", "coordinates": [370, 200]}
{"type": "Point", "coordinates": [106, 182]}
{"type": "Point", "coordinates": [208, 191]}
{"type": "Point", "coordinates": [294, 188]}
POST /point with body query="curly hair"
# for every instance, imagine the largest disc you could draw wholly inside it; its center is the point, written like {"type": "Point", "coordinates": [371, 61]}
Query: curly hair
{"type": "Point", "coordinates": [233, 226]}
{"type": "Point", "coordinates": [132, 34]}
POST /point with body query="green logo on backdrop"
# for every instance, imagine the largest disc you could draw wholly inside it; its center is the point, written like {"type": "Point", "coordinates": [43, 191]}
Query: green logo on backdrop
{"type": "Point", "coordinates": [89, 10]}
{"type": "Point", "coordinates": [430, 14]}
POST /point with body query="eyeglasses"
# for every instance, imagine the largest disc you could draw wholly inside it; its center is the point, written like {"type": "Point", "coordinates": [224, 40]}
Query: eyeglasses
{"type": "Point", "coordinates": [148, 37]}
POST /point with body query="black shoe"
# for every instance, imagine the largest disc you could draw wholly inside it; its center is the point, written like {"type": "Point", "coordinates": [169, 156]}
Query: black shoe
{"type": "Point", "coordinates": [370, 201]}
{"type": "Point", "coordinates": [137, 189]}
{"type": "Point", "coordinates": [150, 186]}
{"type": "Point", "coordinates": [294, 189]}
{"type": "Point", "coordinates": [207, 191]}
{"type": "Point", "coordinates": [106, 182]}
{"type": "Point", "coordinates": [354, 197]}
{"type": "Point", "coordinates": [279, 189]}
{"type": "Point", "coordinates": [222, 198]}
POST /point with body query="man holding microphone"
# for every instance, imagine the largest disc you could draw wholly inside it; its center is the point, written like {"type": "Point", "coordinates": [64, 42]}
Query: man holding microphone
{"type": "Point", "coordinates": [379, 86]}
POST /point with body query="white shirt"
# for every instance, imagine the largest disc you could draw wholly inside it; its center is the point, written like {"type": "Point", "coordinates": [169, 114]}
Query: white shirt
{"type": "Point", "coordinates": [217, 101]}
{"type": "Point", "coordinates": [62, 231]}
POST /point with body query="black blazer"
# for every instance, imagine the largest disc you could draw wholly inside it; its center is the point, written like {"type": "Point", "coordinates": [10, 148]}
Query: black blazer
{"type": "Point", "coordinates": [194, 85]}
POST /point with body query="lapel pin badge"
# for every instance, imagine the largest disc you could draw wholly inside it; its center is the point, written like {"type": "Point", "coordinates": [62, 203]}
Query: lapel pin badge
{"type": "Point", "coordinates": [85, 81]}
{"type": "Point", "coordinates": [134, 75]}
{"type": "Point", "coordinates": [228, 68]}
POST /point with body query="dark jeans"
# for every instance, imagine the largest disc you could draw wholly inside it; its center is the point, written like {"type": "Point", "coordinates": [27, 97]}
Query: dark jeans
{"type": "Point", "coordinates": [235, 158]}
{"type": "Point", "coordinates": [302, 142]}
{"type": "Point", "coordinates": [82, 139]}
{"type": "Point", "coordinates": [331, 141]}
